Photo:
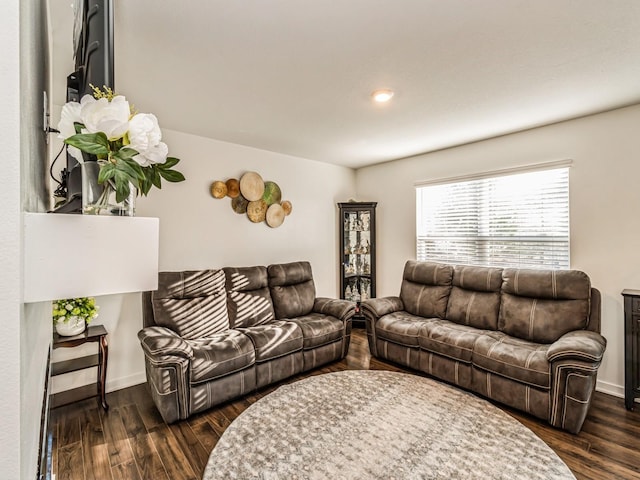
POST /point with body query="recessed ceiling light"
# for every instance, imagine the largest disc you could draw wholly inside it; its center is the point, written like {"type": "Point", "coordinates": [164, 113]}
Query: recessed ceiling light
{"type": "Point", "coordinates": [383, 95]}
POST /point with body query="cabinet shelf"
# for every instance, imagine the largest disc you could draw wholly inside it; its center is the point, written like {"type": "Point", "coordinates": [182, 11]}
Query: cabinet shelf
{"type": "Point", "coordinates": [74, 365]}
{"type": "Point", "coordinates": [357, 232]}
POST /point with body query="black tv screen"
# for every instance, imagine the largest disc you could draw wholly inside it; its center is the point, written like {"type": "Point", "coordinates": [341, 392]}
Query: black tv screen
{"type": "Point", "coordinates": [92, 47]}
{"type": "Point", "coordinates": [94, 61]}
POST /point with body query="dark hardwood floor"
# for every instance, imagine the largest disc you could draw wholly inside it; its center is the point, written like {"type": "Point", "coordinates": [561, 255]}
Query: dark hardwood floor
{"type": "Point", "coordinates": [131, 441]}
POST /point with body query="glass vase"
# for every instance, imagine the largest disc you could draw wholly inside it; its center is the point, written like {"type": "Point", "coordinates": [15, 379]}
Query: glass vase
{"type": "Point", "coordinates": [100, 199]}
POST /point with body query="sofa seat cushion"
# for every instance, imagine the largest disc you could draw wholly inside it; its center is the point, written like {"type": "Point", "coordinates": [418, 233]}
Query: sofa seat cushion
{"type": "Point", "coordinates": [274, 339]}
{"type": "Point", "coordinates": [449, 339]}
{"type": "Point", "coordinates": [401, 327]}
{"type": "Point", "coordinates": [220, 354]}
{"type": "Point", "coordinates": [319, 329]}
{"type": "Point", "coordinates": [513, 358]}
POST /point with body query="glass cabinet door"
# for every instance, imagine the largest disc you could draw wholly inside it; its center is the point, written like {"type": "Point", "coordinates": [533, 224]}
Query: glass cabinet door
{"type": "Point", "coordinates": [357, 240]}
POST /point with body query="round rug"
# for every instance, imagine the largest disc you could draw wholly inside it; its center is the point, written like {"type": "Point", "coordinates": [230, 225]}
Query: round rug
{"type": "Point", "coordinates": [363, 424]}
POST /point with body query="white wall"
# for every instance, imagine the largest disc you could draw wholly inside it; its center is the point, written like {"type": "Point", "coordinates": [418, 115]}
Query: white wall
{"type": "Point", "coordinates": [604, 197]}
{"type": "Point", "coordinates": [199, 231]}
{"type": "Point", "coordinates": [10, 240]}
{"type": "Point", "coordinates": [26, 330]}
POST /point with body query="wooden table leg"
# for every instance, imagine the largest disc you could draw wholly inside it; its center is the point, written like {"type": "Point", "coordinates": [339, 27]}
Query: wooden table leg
{"type": "Point", "coordinates": [103, 354]}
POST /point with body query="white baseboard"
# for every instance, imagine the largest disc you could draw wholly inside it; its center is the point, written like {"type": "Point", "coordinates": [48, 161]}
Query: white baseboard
{"type": "Point", "coordinates": [124, 382]}
{"type": "Point", "coordinates": [610, 388]}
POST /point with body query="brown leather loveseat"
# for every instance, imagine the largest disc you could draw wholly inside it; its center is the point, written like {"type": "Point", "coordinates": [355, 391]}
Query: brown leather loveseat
{"type": "Point", "coordinates": [526, 338]}
{"type": "Point", "coordinates": [213, 335]}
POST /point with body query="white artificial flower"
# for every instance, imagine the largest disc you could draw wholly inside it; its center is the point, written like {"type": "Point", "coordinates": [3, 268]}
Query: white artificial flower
{"type": "Point", "coordinates": [102, 115]}
{"type": "Point", "coordinates": [144, 137]}
{"type": "Point", "coordinates": [69, 116]}
{"type": "Point", "coordinates": [68, 306]}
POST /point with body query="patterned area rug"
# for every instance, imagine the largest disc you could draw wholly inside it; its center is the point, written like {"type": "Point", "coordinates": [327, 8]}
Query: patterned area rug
{"type": "Point", "coordinates": [378, 425]}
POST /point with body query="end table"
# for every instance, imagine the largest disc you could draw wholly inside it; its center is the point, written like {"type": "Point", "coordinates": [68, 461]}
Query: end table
{"type": "Point", "coordinates": [94, 333]}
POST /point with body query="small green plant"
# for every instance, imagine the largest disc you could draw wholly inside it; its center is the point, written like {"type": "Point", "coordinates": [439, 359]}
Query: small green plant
{"type": "Point", "coordinates": [83, 307]}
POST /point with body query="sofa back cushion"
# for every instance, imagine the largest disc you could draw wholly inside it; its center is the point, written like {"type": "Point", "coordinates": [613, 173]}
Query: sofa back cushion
{"type": "Point", "coordinates": [248, 296]}
{"type": "Point", "coordinates": [543, 305]}
{"type": "Point", "coordinates": [475, 297]}
{"type": "Point", "coordinates": [191, 303]}
{"type": "Point", "coordinates": [425, 288]}
{"type": "Point", "coordinates": [292, 289]}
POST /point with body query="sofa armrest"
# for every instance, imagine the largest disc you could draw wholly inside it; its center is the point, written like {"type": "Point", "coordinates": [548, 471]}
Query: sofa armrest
{"type": "Point", "coordinates": [375, 308]}
{"type": "Point", "coordinates": [582, 345]}
{"type": "Point", "coordinates": [341, 309]}
{"type": "Point", "coordinates": [159, 341]}
{"type": "Point", "coordinates": [575, 358]}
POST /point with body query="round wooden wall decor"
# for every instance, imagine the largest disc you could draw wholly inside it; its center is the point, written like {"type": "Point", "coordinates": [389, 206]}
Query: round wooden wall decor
{"type": "Point", "coordinates": [218, 189]}
{"type": "Point", "coordinates": [257, 211]}
{"type": "Point", "coordinates": [275, 215]}
{"type": "Point", "coordinates": [239, 204]}
{"type": "Point", "coordinates": [233, 188]}
{"type": "Point", "coordinates": [252, 186]}
{"type": "Point", "coordinates": [261, 201]}
{"type": "Point", "coordinates": [272, 193]}
{"type": "Point", "coordinates": [287, 207]}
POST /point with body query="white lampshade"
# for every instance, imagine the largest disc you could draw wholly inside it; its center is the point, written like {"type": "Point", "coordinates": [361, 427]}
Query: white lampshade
{"type": "Point", "coordinates": [68, 256]}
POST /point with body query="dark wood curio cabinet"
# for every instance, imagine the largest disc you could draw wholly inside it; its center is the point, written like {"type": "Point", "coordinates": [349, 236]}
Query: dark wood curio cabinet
{"type": "Point", "coordinates": [358, 252]}
{"type": "Point", "coordinates": [631, 347]}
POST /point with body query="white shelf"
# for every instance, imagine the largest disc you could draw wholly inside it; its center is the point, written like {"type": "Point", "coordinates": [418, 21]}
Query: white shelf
{"type": "Point", "coordinates": [68, 256]}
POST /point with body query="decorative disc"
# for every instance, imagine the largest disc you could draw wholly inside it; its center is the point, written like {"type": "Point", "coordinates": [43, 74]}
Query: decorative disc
{"type": "Point", "coordinates": [239, 204]}
{"type": "Point", "coordinates": [218, 189]}
{"type": "Point", "coordinates": [252, 186]}
{"type": "Point", "coordinates": [272, 193]}
{"type": "Point", "coordinates": [257, 211]}
{"type": "Point", "coordinates": [233, 188]}
{"type": "Point", "coordinates": [287, 207]}
{"type": "Point", "coordinates": [275, 215]}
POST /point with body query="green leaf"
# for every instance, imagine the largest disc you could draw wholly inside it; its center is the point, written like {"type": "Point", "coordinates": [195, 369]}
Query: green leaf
{"type": "Point", "coordinates": [122, 191]}
{"type": "Point", "coordinates": [106, 172]}
{"type": "Point", "coordinates": [146, 183]}
{"type": "Point", "coordinates": [172, 176]}
{"type": "Point", "coordinates": [133, 168]}
{"type": "Point", "coordinates": [170, 162]}
{"type": "Point", "coordinates": [102, 139]}
{"type": "Point", "coordinates": [157, 181]}
{"type": "Point", "coordinates": [78, 127]}
{"type": "Point", "coordinates": [126, 153]}
{"type": "Point", "coordinates": [94, 143]}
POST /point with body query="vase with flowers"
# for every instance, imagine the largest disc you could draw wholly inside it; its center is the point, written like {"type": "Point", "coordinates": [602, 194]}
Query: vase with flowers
{"type": "Point", "coordinates": [124, 147]}
{"type": "Point", "coordinates": [72, 315]}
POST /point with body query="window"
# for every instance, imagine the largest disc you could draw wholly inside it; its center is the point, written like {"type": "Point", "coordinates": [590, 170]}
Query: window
{"type": "Point", "coordinates": [509, 220]}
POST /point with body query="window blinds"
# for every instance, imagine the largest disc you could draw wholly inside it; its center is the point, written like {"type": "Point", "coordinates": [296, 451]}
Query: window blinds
{"type": "Point", "coordinates": [516, 220]}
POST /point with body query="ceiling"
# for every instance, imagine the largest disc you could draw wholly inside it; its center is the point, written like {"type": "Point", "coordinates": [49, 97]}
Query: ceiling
{"type": "Point", "coordinates": [296, 76]}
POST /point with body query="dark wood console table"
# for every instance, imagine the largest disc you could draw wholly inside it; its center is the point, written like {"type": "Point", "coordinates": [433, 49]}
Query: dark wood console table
{"type": "Point", "coordinates": [631, 347]}
{"type": "Point", "coordinates": [96, 333]}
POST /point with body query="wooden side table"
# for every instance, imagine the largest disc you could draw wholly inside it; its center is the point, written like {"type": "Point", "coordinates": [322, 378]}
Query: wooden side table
{"type": "Point", "coordinates": [631, 347]}
{"type": "Point", "coordinates": [94, 333]}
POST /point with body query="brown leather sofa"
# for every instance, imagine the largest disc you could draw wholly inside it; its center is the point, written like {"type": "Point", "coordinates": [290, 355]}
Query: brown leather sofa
{"type": "Point", "coordinates": [526, 338]}
{"type": "Point", "coordinates": [212, 335]}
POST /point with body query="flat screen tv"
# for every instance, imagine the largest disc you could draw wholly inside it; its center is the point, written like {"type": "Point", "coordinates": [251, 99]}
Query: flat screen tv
{"type": "Point", "coordinates": [94, 61]}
